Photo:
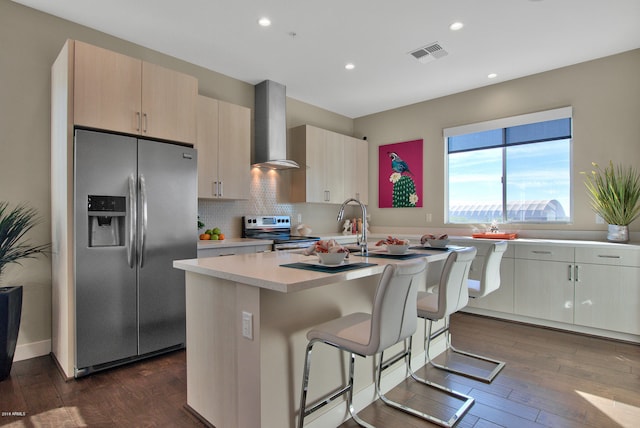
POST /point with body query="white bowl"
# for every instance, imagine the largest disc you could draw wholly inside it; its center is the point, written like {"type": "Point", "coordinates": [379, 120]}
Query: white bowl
{"type": "Point", "coordinates": [438, 243]}
{"type": "Point", "coordinates": [397, 249]}
{"type": "Point", "coordinates": [331, 258]}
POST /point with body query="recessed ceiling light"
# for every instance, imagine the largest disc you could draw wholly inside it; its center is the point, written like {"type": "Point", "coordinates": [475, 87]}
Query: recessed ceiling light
{"type": "Point", "coordinates": [264, 21]}
{"type": "Point", "coordinates": [350, 66]}
{"type": "Point", "coordinates": [456, 26]}
{"type": "Point", "coordinates": [492, 75]}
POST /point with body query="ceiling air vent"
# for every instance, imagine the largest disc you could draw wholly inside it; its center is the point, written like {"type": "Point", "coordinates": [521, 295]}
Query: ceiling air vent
{"type": "Point", "coordinates": [429, 53]}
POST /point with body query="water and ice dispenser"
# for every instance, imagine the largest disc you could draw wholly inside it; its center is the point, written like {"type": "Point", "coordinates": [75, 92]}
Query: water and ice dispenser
{"type": "Point", "coordinates": [106, 217]}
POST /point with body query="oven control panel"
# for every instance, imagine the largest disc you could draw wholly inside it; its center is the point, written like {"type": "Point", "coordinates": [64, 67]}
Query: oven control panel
{"type": "Point", "coordinates": [267, 222]}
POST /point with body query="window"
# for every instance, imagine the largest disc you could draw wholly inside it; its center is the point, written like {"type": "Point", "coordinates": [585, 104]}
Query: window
{"type": "Point", "coordinates": [512, 170]}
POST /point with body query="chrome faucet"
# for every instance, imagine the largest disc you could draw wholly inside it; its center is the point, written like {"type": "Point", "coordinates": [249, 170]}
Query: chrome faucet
{"type": "Point", "coordinates": [362, 241]}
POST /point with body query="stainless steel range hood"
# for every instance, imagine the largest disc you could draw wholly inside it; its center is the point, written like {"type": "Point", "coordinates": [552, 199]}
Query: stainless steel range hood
{"type": "Point", "coordinates": [270, 149]}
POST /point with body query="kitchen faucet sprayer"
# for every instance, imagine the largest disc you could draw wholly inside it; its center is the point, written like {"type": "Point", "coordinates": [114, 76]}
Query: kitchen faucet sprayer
{"type": "Point", "coordinates": [362, 241]}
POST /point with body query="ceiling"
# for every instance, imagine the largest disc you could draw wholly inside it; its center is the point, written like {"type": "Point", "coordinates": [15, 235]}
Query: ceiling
{"type": "Point", "coordinates": [309, 42]}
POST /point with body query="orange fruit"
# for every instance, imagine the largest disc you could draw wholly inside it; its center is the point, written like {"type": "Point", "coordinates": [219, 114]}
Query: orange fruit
{"type": "Point", "coordinates": [221, 236]}
{"type": "Point", "coordinates": [205, 236]}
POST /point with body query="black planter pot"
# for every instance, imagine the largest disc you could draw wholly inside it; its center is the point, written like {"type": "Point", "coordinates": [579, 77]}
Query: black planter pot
{"type": "Point", "coordinates": [10, 311]}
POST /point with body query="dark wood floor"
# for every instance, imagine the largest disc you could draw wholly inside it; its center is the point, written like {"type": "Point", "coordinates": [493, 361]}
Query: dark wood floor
{"type": "Point", "coordinates": [552, 379]}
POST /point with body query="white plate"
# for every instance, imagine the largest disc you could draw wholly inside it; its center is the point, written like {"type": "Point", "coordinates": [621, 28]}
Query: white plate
{"type": "Point", "coordinates": [318, 263]}
{"type": "Point", "coordinates": [385, 251]}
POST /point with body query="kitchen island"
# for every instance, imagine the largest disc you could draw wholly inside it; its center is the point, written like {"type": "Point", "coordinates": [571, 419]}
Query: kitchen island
{"type": "Point", "coordinates": [247, 318]}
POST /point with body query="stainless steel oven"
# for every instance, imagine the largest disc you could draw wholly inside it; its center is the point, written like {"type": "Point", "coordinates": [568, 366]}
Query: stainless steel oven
{"type": "Point", "coordinates": [276, 228]}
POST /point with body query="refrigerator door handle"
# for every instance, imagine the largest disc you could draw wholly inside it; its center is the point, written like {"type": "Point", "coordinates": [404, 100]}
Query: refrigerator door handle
{"type": "Point", "coordinates": [132, 221]}
{"type": "Point", "coordinates": [143, 228]}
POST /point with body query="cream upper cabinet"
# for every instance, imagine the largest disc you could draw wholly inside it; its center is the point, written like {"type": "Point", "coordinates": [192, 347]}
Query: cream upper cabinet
{"type": "Point", "coordinates": [119, 93]}
{"type": "Point", "coordinates": [168, 104]}
{"type": "Point", "coordinates": [106, 89]}
{"type": "Point", "coordinates": [332, 156]}
{"type": "Point", "coordinates": [332, 166]}
{"type": "Point", "coordinates": [356, 169]}
{"type": "Point", "coordinates": [223, 144]}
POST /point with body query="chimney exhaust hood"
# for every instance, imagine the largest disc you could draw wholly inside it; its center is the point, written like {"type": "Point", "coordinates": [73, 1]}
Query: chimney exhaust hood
{"type": "Point", "coordinates": [270, 148]}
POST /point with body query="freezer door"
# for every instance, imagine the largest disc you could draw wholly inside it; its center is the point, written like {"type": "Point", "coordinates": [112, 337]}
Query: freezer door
{"type": "Point", "coordinates": [167, 225]}
{"type": "Point", "coordinates": [105, 283]}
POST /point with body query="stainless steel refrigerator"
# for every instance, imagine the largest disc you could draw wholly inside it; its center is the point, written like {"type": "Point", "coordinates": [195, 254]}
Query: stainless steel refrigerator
{"type": "Point", "coordinates": [135, 212]}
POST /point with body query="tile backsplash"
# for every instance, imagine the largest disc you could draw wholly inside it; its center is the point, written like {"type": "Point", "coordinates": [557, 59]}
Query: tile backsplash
{"type": "Point", "coordinates": [263, 199]}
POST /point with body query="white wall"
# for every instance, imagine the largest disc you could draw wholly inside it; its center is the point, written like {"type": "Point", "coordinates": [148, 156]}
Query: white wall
{"type": "Point", "coordinates": [604, 93]}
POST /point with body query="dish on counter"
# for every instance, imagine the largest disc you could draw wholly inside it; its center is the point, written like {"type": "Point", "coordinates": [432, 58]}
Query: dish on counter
{"type": "Point", "coordinates": [386, 251]}
{"type": "Point", "coordinates": [394, 245]}
{"type": "Point", "coordinates": [437, 243]}
{"type": "Point", "coordinates": [319, 263]}
{"type": "Point", "coordinates": [397, 248]}
{"type": "Point", "coordinates": [332, 259]}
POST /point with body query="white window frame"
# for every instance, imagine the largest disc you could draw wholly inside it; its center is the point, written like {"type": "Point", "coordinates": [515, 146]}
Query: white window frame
{"type": "Point", "coordinates": [523, 119]}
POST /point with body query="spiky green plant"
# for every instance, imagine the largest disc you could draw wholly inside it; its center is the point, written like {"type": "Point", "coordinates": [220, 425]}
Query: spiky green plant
{"type": "Point", "coordinates": [402, 191]}
{"type": "Point", "coordinates": [614, 193]}
{"type": "Point", "coordinates": [14, 224]}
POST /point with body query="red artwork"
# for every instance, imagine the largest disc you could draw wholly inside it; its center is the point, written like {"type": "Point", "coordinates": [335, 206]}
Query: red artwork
{"type": "Point", "coordinates": [400, 175]}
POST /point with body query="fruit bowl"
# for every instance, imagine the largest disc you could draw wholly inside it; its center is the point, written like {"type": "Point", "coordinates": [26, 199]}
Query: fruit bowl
{"type": "Point", "coordinates": [438, 243]}
{"type": "Point", "coordinates": [331, 258]}
{"type": "Point", "coordinates": [397, 249]}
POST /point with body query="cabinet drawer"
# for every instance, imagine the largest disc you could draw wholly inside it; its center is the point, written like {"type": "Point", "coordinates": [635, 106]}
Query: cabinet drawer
{"type": "Point", "coordinates": [608, 256]}
{"type": "Point", "coordinates": [226, 251]}
{"type": "Point", "coordinates": [554, 253]}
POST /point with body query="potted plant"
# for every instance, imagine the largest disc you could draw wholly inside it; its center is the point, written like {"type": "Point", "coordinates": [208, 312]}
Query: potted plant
{"type": "Point", "coordinates": [614, 194]}
{"type": "Point", "coordinates": [14, 224]}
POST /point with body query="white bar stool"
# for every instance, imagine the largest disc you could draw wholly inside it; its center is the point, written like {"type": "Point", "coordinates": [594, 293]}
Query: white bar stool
{"type": "Point", "coordinates": [488, 283]}
{"type": "Point", "coordinates": [393, 319]}
{"type": "Point", "coordinates": [452, 295]}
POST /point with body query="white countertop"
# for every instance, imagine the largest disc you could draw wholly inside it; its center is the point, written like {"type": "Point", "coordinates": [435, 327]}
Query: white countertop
{"type": "Point", "coordinates": [263, 269]}
{"type": "Point", "coordinates": [415, 239]}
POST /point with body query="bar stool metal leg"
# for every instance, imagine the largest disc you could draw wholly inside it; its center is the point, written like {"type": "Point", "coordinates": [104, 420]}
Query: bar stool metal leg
{"type": "Point", "coordinates": [466, 400]}
{"type": "Point", "coordinates": [499, 365]}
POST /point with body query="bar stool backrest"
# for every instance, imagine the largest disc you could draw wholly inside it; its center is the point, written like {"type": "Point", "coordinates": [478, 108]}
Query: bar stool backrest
{"type": "Point", "coordinates": [394, 314]}
{"type": "Point", "coordinates": [490, 279]}
{"type": "Point", "coordinates": [452, 289]}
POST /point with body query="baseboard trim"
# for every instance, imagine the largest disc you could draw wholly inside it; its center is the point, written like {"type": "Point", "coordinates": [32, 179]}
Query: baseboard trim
{"type": "Point", "coordinates": [32, 350]}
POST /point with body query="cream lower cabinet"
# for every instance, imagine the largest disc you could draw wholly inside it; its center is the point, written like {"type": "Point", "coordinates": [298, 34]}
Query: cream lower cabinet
{"type": "Point", "coordinates": [591, 288]}
{"type": "Point", "coordinates": [544, 290]}
{"type": "Point", "coordinates": [544, 282]}
{"type": "Point", "coordinates": [607, 289]}
{"type": "Point", "coordinates": [333, 167]}
{"type": "Point", "coordinates": [224, 145]}
{"type": "Point", "coordinates": [115, 92]}
{"type": "Point", "coordinates": [586, 286]}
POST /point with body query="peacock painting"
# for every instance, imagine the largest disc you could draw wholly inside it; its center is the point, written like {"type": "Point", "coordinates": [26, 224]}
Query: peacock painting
{"type": "Point", "coordinates": [400, 175]}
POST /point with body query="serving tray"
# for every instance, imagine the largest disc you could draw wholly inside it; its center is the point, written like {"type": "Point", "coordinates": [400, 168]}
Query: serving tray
{"type": "Point", "coordinates": [495, 235]}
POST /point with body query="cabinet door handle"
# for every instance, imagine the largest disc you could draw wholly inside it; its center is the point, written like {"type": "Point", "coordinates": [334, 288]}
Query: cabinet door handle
{"type": "Point", "coordinates": [606, 256]}
{"type": "Point", "coordinates": [570, 273]}
{"type": "Point", "coordinates": [577, 273]}
{"type": "Point", "coordinates": [221, 188]}
{"type": "Point", "coordinates": [215, 188]}
{"type": "Point", "coordinates": [144, 116]}
{"type": "Point", "coordinates": [541, 252]}
{"type": "Point", "coordinates": [138, 121]}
